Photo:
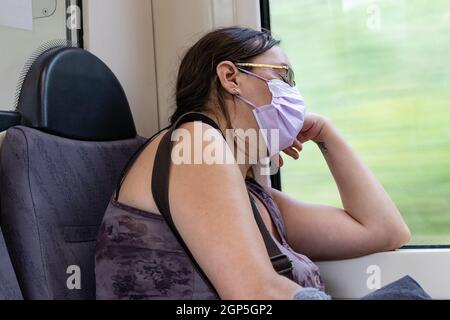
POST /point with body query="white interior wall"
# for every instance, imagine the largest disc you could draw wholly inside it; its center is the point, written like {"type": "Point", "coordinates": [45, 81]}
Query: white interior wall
{"type": "Point", "coordinates": [120, 32]}
{"type": "Point", "coordinates": [142, 41]}
{"type": "Point", "coordinates": [178, 24]}
{"type": "Point", "coordinates": [17, 45]}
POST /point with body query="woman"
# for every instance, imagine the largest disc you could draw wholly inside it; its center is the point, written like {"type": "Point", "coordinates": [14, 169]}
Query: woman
{"type": "Point", "coordinates": [230, 76]}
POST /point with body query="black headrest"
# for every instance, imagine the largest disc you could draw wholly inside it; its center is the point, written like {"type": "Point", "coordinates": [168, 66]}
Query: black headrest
{"type": "Point", "coordinates": [71, 93]}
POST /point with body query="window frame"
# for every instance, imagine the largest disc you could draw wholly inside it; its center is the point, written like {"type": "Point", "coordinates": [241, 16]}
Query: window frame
{"type": "Point", "coordinates": [264, 7]}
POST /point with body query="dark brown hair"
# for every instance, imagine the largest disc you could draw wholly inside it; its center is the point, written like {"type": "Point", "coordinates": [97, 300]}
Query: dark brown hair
{"type": "Point", "coordinates": [197, 76]}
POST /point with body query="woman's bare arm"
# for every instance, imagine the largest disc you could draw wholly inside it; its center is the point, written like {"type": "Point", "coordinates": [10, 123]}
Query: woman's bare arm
{"type": "Point", "coordinates": [369, 221]}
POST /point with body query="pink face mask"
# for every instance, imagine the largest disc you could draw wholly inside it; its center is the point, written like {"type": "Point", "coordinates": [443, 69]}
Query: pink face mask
{"type": "Point", "coordinates": [283, 118]}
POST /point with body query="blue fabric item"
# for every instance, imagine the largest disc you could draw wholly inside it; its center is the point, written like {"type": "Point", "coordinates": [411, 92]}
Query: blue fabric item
{"type": "Point", "coordinates": [310, 294]}
{"type": "Point", "coordinates": [405, 288]}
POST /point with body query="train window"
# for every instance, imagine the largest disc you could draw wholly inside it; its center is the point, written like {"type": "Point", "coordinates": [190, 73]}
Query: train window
{"type": "Point", "coordinates": [381, 71]}
{"type": "Point", "coordinates": [52, 21]}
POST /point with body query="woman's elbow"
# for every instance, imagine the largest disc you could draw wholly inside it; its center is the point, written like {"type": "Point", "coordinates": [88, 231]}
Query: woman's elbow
{"type": "Point", "coordinates": [388, 237]}
{"type": "Point", "coordinates": [403, 237]}
{"type": "Point", "coordinates": [398, 237]}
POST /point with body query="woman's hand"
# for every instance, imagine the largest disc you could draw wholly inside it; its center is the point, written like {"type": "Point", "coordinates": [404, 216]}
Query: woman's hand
{"type": "Point", "coordinates": [314, 129]}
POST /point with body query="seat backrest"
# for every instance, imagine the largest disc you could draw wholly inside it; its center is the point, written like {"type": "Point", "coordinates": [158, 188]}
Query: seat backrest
{"type": "Point", "coordinates": [71, 93]}
{"type": "Point", "coordinates": [56, 178]}
{"type": "Point", "coordinates": [9, 288]}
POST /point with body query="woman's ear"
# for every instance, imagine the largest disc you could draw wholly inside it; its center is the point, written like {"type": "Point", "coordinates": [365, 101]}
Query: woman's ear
{"type": "Point", "coordinates": [227, 74]}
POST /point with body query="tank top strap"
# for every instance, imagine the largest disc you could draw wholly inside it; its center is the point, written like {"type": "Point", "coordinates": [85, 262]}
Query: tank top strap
{"type": "Point", "coordinates": [160, 182]}
{"type": "Point", "coordinates": [161, 167]}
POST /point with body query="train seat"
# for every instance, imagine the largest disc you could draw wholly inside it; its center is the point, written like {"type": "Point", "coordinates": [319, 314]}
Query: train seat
{"type": "Point", "coordinates": [58, 170]}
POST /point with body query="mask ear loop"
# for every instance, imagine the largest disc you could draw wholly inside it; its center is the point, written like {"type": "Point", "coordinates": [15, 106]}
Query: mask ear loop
{"type": "Point", "coordinates": [253, 74]}
{"type": "Point", "coordinates": [245, 100]}
{"type": "Point", "coordinates": [236, 137]}
{"type": "Point", "coordinates": [237, 95]}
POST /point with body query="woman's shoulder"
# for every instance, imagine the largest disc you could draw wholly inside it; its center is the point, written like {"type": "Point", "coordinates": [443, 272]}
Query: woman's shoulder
{"type": "Point", "coordinates": [137, 182]}
{"type": "Point", "coordinates": [134, 189]}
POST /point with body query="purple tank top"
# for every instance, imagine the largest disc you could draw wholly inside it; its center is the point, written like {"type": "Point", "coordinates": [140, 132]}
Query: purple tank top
{"type": "Point", "coordinates": [138, 257]}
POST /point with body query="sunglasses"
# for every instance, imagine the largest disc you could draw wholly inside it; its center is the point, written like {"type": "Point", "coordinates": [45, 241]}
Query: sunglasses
{"type": "Point", "coordinates": [288, 77]}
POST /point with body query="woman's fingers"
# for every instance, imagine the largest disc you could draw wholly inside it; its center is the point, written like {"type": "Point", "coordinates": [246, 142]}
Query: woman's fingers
{"type": "Point", "coordinates": [294, 150]}
{"type": "Point", "coordinates": [298, 145]}
{"type": "Point", "coordinates": [280, 161]}
{"type": "Point", "coordinates": [292, 153]}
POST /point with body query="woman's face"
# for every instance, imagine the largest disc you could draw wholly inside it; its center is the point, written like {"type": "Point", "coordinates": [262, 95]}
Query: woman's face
{"type": "Point", "coordinates": [250, 87]}
{"type": "Point", "coordinates": [254, 89]}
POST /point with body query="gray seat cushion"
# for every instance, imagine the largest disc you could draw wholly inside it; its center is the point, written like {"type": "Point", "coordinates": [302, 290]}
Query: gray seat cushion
{"type": "Point", "coordinates": [9, 288]}
{"type": "Point", "coordinates": [54, 192]}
